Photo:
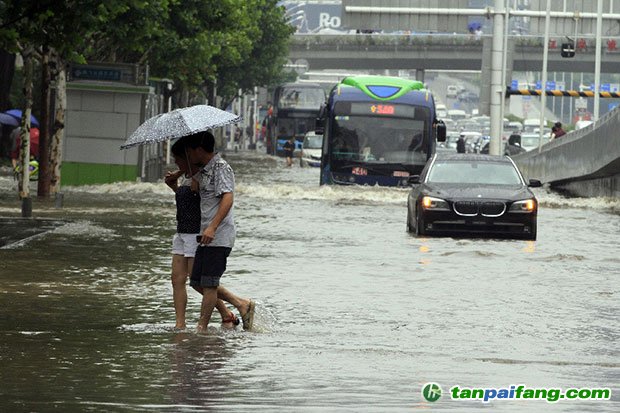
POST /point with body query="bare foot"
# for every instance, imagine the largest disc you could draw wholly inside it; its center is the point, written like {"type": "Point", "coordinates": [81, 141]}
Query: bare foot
{"type": "Point", "coordinates": [231, 321]}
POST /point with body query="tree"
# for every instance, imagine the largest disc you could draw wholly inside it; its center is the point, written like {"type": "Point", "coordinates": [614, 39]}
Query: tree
{"type": "Point", "coordinates": [264, 64]}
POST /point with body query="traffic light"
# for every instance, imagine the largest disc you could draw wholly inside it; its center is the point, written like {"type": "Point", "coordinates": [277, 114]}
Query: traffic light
{"type": "Point", "coordinates": [568, 49]}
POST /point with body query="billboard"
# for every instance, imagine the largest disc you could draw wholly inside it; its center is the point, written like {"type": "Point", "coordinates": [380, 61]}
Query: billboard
{"type": "Point", "coordinates": [314, 16]}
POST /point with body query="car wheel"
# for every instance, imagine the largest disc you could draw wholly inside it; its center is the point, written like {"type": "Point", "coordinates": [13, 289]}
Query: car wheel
{"type": "Point", "coordinates": [531, 236]}
{"type": "Point", "coordinates": [420, 225]}
{"type": "Point", "coordinates": [409, 227]}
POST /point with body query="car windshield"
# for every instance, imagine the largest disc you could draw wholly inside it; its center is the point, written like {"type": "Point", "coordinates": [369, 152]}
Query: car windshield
{"type": "Point", "coordinates": [313, 142]}
{"type": "Point", "coordinates": [473, 172]}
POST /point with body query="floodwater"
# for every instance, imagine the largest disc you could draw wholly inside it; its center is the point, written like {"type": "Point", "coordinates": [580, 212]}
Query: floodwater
{"type": "Point", "coordinates": [354, 314]}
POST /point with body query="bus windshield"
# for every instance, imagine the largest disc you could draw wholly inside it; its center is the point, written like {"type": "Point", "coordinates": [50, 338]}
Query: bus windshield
{"type": "Point", "coordinates": [301, 98]}
{"type": "Point", "coordinates": [375, 139]}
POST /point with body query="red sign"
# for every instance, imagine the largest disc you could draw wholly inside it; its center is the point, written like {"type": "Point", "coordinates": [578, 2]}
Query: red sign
{"type": "Point", "coordinates": [359, 171]}
{"type": "Point", "coordinates": [382, 109]}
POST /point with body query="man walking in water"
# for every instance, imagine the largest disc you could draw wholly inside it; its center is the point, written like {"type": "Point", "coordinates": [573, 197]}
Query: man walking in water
{"type": "Point", "coordinates": [217, 183]}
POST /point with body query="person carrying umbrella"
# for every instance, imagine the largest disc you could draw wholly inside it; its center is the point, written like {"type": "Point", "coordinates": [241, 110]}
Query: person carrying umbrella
{"type": "Point", "coordinates": [217, 184]}
{"type": "Point", "coordinates": [184, 242]}
{"type": "Point", "coordinates": [216, 181]}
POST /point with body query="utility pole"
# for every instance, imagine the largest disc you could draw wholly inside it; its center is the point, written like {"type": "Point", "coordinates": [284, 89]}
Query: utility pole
{"type": "Point", "coordinates": [497, 86]}
{"type": "Point", "coordinates": [543, 86]}
{"type": "Point", "coordinates": [597, 59]}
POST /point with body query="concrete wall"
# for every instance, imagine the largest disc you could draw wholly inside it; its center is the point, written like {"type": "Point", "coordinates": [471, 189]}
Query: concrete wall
{"type": "Point", "coordinates": [98, 120]}
{"type": "Point", "coordinates": [586, 162]}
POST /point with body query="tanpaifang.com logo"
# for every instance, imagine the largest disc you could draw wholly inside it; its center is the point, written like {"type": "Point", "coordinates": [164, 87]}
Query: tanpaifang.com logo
{"type": "Point", "coordinates": [431, 392]}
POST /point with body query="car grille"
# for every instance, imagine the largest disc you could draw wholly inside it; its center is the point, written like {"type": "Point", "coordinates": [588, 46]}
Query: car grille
{"type": "Point", "coordinates": [485, 208]}
{"type": "Point", "coordinates": [466, 207]}
{"type": "Point", "coordinates": [492, 208]}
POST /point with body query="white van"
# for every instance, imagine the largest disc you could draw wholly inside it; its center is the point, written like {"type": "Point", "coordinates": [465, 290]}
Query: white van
{"type": "Point", "coordinates": [457, 114]}
{"type": "Point", "coordinates": [530, 124]}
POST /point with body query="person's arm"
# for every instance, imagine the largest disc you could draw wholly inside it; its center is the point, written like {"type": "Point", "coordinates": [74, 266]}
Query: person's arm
{"type": "Point", "coordinates": [222, 210]}
{"type": "Point", "coordinates": [171, 179]}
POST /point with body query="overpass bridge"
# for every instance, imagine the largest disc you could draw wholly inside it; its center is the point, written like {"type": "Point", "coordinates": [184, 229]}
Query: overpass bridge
{"type": "Point", "coordinates": [442, 52]}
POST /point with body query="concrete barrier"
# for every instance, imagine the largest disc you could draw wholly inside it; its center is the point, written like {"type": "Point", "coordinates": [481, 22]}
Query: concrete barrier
{"type": "Point", "coordinates": [585, 162]}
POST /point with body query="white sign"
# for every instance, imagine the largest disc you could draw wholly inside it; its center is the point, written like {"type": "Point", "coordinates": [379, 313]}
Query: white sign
{"type": "Point", "coordinates": [581, 103]}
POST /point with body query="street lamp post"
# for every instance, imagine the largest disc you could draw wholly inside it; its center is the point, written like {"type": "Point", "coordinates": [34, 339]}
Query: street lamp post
{"type": "Point", "coordinates": [543, 85]}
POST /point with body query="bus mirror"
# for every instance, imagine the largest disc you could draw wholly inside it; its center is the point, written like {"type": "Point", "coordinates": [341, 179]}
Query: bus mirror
{"type": "Point", "coordinates": [440, 131]}
{"type": "Point", "coordinates": [320, 121]}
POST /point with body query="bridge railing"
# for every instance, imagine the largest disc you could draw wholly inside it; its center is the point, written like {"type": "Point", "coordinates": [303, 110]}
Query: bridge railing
{"type": "Point", "coordinates": [414, 40]}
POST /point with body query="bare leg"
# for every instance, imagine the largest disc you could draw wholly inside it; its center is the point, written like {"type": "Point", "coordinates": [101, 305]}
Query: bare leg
{"type": "Point", "coordinates": [179, 293]}
{"type": "Point", "coordinates": [241, 304]}
{"type": "Point", "coordinates": [225, 313]}
{"type": "Point", "coordinates": [209, 299]}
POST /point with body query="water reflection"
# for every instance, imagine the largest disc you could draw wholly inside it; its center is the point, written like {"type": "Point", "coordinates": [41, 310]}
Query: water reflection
{"type": "Point", "coordinates": [197, 369]}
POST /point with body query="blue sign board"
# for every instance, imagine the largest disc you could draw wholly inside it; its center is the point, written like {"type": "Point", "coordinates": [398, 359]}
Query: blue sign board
{"type": "Point", "coordinates": [514, 85]}
{"type": "Point", "coordinates": [550, 85]}
{"type": "Point", "coordinates": [95, 73]}
{"type": "Point", "coordinates": [605, 87]}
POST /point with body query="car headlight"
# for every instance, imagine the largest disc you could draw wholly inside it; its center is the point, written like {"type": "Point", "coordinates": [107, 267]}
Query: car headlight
{"type": "Point", "coordinates": [436, 204]}
{"type": "Point", "coordinates": [525, 206]}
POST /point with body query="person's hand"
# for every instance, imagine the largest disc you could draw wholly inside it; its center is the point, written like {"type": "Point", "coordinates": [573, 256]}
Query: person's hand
{"type": "Point", "coordinates": [207, 236]}
{"type": "Point", "coordinates": [172, 176]}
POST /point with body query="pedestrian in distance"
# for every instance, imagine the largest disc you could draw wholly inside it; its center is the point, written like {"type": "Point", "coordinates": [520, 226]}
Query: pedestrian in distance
{"type": "Point", "coordinates": [289, 149]}
{"type": "Point", "coordinates": [216, 180]}
{"type": "Point", "coordinates": [558, 131]}
{"type": "Point", "coordinates": [460, 144]}
{"type": "Point", "coordinates": [184, 242]}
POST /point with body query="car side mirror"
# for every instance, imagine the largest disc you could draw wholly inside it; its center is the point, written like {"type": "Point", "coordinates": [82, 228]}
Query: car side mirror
{"type": "Point", "coordinates": [440, 131]}
{"type": "Point", "coordinates": [414, 180]}
{"type": "Point", "coordinates": [534, 183]}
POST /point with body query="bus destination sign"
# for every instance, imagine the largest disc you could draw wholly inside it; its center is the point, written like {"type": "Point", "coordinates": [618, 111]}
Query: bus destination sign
{"type": "Point", "coordinates": [382, 109]}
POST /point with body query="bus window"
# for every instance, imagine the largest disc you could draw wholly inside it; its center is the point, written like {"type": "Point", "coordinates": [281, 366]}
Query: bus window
{"type": "Point", "coordinates": [301, 98]}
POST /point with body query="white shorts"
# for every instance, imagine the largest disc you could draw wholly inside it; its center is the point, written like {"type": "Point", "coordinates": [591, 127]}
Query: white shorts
{"type": "Point", "coordinates": [184, 244]}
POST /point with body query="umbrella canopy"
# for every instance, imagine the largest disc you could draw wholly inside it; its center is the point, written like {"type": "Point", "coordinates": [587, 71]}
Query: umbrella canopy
{"type": "Point", "coordinates": [8, 120]}
{"type": "Point", "coordinates": [17, 114]}
{"type": "Point", "coordinates": [178, 123]}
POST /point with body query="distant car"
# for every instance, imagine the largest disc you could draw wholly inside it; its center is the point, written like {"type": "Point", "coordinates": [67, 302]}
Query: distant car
{"type": "Point", "coordinates": [472, 194]}
{"type": "Point", "coordinates": [509, 149]}
{"type": "Point", "coordinates": [530, 141]}
{"type": "Point", "coordinates": [470, 139]}
{"type": "Point", "coordinates": [311, 150]}
{"type": "Point", "coordinates": [451, 139]}
{"type": "Point", "coordinates": [452, 91]}
{"type": "Point", "coordinates": [468, 96]}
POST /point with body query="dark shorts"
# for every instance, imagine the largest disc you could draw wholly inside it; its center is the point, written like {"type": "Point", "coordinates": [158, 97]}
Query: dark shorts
{"type": "Point", "coordinates": [209, 265]}
{"type": "Point", "coordinates": [288, 154]}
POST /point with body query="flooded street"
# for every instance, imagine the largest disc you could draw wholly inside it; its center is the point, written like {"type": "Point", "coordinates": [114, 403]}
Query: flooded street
{"type": "Point", "coordinates": [354, 314]}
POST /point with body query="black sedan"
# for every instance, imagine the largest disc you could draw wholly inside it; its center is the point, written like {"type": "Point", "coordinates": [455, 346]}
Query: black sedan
{"type": "Point", "coordinates": [472, 194]}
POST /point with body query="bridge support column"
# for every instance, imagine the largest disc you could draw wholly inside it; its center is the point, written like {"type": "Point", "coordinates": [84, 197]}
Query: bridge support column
{"type": "Point", "coordinates": [419, 75]}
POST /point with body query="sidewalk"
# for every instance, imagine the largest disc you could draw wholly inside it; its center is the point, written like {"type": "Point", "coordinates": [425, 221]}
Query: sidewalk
{"type": "Point", "coordinates": [15, 229]}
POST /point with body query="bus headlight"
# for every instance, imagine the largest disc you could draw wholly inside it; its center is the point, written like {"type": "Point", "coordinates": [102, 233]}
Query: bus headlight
{"type": "Point", "coordinates": [436, 204]}
{"type": "Point", "coordinates": [525, 206]}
